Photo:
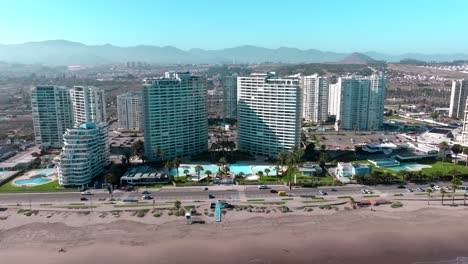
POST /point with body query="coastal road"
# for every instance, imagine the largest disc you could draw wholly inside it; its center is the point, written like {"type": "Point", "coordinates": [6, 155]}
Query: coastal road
{"type": "Point", "coordinates": [231, 193]}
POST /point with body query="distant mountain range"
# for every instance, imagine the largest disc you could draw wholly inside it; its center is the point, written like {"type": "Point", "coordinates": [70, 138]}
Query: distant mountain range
{"type": "Point", "coordinates": [63, 52]}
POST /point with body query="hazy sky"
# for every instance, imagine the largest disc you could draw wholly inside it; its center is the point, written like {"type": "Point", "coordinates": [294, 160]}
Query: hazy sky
{"type": "Point", "coordinates": [392, 26]}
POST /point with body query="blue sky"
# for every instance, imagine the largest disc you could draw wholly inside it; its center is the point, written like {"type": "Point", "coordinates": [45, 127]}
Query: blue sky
{"type": "Point", "coordinates": [392, 26]}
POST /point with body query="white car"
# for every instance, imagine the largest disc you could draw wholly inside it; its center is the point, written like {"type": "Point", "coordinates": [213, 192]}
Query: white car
{"type": "Point", "coordinates": [437, 187]}
{"type": "Point", "coordinates": [260, 187]}
{"type": "Point", "coordinates": [86, 193]}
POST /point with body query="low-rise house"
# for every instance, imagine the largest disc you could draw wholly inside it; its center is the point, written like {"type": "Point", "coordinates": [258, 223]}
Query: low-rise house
{"type": "Point", "coordinates": [347, 169]}
{"type": "Point", "coordinates": [144, 175]}
{"type": "Point", "coordinates": [311, 169]}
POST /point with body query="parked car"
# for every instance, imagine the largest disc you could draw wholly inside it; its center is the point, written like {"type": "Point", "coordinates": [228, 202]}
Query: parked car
{"type": "Point", "coordinates": [401, 187]}
{"type": "Point", "coordinates": [364, 191]}
{"type": "Point", "coordinates": [436, 187]}
{"type": "Point", "coordinates": [145, 192]}
{"type": "Point", "coordinates": [368, 191]}
{"type": "Point", "coordinates": [86, 193]}
{"type": "Point", "coordinates": [261, 187]}
{"type": "Point", "coordinates": [322, 192]}
{"type": "Point", "coordinates": [333, 190]}
{"type": "Point", "coordinates": [205, 188]}
{"type": "Point", "coordinates": [409, 190]}
{"type": "Point", "coordinates": [420, 189]}
{"type": "Point", "coordinates": [83, 199]}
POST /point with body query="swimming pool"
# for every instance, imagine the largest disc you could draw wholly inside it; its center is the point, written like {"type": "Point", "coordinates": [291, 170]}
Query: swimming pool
{"type": "Point", "coordinates": [33, 181]}
{"type": "Point", "coordinates": [234, 168]}
{"type": "Point", "coordinates": [409, 167]}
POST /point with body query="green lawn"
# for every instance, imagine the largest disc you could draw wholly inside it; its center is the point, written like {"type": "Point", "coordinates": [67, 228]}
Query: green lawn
{"type": "Point", "coordinates": [48, 187]}
{"type": "Point", "coordinates": [444, 168]}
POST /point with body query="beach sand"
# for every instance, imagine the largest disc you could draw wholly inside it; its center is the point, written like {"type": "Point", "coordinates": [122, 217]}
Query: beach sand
{"type": "Point", "coordinates": [357, 236]}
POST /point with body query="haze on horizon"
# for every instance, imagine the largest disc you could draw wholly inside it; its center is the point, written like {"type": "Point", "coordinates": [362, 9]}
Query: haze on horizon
{"type": "Point", "coordinates": [394, 27]}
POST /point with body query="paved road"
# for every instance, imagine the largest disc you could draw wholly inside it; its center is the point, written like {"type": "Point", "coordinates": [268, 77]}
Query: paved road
{"type": "Point", "coordinates": [197, 193]}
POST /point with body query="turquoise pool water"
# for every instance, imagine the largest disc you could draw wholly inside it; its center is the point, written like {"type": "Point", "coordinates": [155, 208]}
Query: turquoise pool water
{"type": "Point", "coordinates": [234, 168]}
{"type": "Point", "coordinates": [45, 172]}
{"type": "Point", "coordinates": [409, 167]}
{"type": "Point", "coordinates": [33, 181]}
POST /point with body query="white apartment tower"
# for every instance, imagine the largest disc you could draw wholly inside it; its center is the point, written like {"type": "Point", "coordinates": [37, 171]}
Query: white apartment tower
{"type": "Point", "coordinates": [175, 116]}
{"type": "Point", "coordinates": [361, 103]}
{"type": "Point", "coordinates": [89, 105]}
{"type": "Point", "coordinates": [314, 98]}
{"type": "Point", "coordinates": [458, 98]}
{"type": "Point", "coordinates": [333, 99]}
{"type": "Point", "coordinates": [85, 154]}
{"type": "Point", "coordinates": [230, 96]}
{"type": "Point", "coordinates": [129, 111]}
{"type": "Point", "coordinates": [465, 124]}
{"type": "Point", "coordinates": [51, 113]}
{"type": "Point", "coordinates": [269, 113]}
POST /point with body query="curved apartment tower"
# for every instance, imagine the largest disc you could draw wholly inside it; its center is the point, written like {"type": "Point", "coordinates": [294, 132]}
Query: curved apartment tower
{"type": "Point", "coordinates": [269, 113]}
{"type": "Point", "coordinates": [85, 154]}
{"type": "Point", "coordinates": [175, 116]}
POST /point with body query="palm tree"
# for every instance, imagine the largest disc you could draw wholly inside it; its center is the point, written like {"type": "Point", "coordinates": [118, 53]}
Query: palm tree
{"type": "Point", "coordinates": [267, 170]}
{"type": "Point", "coordinates": [222, 161]}
{"type": "Point", "coordinates": [198, 169]}
{"type": "Point", "coordinates": [456, 182]}
{"type": "Point", "coordinates": [208, 174]}
{"type": "Point", "coordinates": [443, 147]}
{"type": "Point", "coordinates": [465, 151]}
{"type": "Point", "coordinates": [282, 157]}
{"type": "Point", "coordinates": [186, 172]}
{"type": "Point", "coordinates": [442, 191]}
{"type": "Point", "coordinates": [277, 168]}
{"type": "Point", "coordinates": [168, 165]}
{"type": "Point", "coordinates": [241, 175]}
{"type": "Point", "coordinates": [176, 164]}
{"type": "Point", "coordinates": [429, 191]}
{"type": "Point", "coordinates": [456, 149]}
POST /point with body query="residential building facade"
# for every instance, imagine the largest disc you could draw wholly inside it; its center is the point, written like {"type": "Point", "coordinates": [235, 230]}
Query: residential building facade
{"type": "Point", "coordinates": [269, 113]}
{"type": "Point", "coordinates": [85, 154]}
{"type": "Point", "coordinates": [89, 105]}
{"type": "Point", "coordinates": [314, 98]}
{"type": "Point", "coordinates": [51, 113]}
{"type": "Point", "coordinates": [129, 111]}
{"type": "Point", "coordinates": [175, 116]}
{"type": "Point", "coordinates": [334, 92]}
{"type": "Point", "coordinates": [230, 96]}
{"type": "Point", "coordinates": [464, 138]}
{"type": "Point", "coordinates": [361, 103]}
{"type": "Point", "coordinates": [458, 98]}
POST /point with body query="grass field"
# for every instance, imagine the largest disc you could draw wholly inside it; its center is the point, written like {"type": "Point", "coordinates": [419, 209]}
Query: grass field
{"type": "Point", "coordinates": [444, 168]}
{"type": "Point", "coordinates": [48, 187]}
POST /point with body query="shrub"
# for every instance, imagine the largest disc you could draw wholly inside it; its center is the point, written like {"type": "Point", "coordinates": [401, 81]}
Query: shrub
{"type": "Point", "coordinates": [396, 205]}
{"type": "Point", "coordinates": [142, 212]}
{"type": "Point", "coordinates": [267, 211]}
{"type": "Point", "coordinates": [347, 208]}
{"type": "Point", "coordinates": [284, 209]}
{"type": "Point", "coordinates": [157, 215]}
{"type": "Point", "coordinates": [180, 212]}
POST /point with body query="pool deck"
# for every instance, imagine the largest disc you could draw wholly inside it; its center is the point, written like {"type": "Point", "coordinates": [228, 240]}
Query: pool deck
{"type": "Point", "coordinates": [31, 173]}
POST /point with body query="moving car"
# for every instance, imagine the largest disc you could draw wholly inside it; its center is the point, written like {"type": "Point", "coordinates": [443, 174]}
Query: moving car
{"type": "Point", "coordinates": [322, 192]}
{"type": "Point", "coordinates": [261, 187]}
{"type": "Point", "coordinates": [205, 188]}
{"type": "Point", "coordinates": [281, 193]}
{"type": "Point", "coordinates": [145, 192]}
{"type": "Point", "coordinates": [83, 199]}
{"type": "Point", "coordinates": [273, 191]}
{"type": "Point", "coordinates": [146, 197]}
{"type": "Point", "coordinates": [86, 193]}
{"type": "Point", "coordinates": [333, 190]}
{"type": "Point", "coordinates": [210, 196]}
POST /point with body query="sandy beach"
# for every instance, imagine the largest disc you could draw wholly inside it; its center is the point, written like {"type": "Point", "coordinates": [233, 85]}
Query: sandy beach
{"type": "Point", "coordinates": [384, 235]}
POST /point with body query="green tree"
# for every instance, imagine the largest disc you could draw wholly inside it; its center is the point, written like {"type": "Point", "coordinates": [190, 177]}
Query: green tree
{"type": "Point", "coordinates": [186, 172]}
{"type": "Point", "coordinates": [198, 169]}
{"type": "Point", "coordinates": [267, 171]}
{"type": "Point", "coordinates": [177, 204]}
{"type": "Point", "coordinates": [176, 164]}
{"type": "Point", "coordinates": [456, 149]}
{"type": "Point", "coordinates": [138, 147]}
{"type": "Point", "coordinates": [323, 159]}
{"type": "Point", "coordinates": [259, 173]}
{"type": "Point", "coordinates": [277, 168]}
{"type": "Point", "coordinates": [465, 151]}
{"type": "Point", "coordinates": [456, 182]}
{"type": "Point", "coordinates": [429, 192]}
{"type": "Point", "coordinates": [208, 174]}
{"type": "Point", "coordinates": [443, 147]}
{"type": "Point", "coordinates": [442, 192]}
{"type": "Point", "coordinates": [109, 178]}
{"type": "Point", "coordinates": [241, 175]}
{"type": "Point", "coordinates": [282, 157]}
{"type": "Point", "coordinates": [168, 165]}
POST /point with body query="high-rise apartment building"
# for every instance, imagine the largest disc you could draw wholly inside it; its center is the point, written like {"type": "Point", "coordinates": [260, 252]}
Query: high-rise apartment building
{"type": "Point", "coordinates": [361, 103]}
{"type": "Point", "coordinates": [230, 96]}
{"type": "Point", "coordinates": [314, 98]}
{"type": "Point", "coordinates": [85, 154]}
{"type": "Point", "coordinates": [333, 99]}
{"type": "Point", "coordinates": [51, 113]}
{"type": "Point", "coordinates": [175, 116]}
{"type": "Point", "coordinates": [464, 139]}
{"type": "Point", "coordinates": [458, 98]}
{"type": "Point", "coordinates": [269, 113]}
{"type": "Point", "coordinates": [89, 105]}
{"type": "Point", "coordinates": [129, 111]}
